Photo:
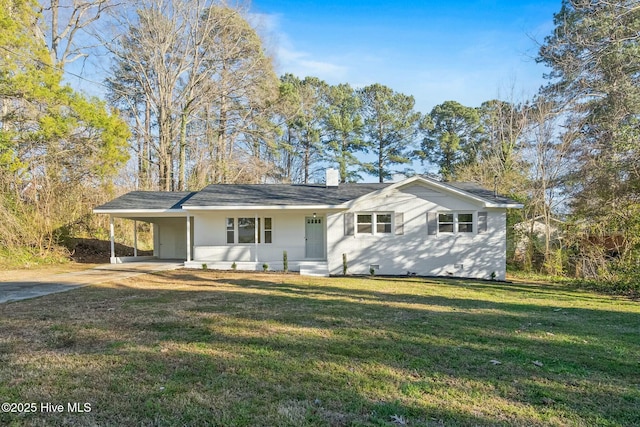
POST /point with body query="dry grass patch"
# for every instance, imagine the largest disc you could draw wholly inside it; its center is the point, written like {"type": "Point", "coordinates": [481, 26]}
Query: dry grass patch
{"type": "Point", "coordinates": [234, 349]}
{"type": "Point", "coordinates": [37, 273]}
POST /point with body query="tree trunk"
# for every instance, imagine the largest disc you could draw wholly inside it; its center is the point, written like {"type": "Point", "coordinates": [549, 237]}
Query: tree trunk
{"type": "Point", "coordinates": [145, 171]}
{"type": "Point", "coordinates": [55, 5]}
{"type": "Point", "coordinates": [380, 161]}
{"type": "Point", "coordinates": [222, 145]}
{"type": "Point", "coordinates": [306, 160]}
{"type": "Point", "coordinates": [182, 175]}
{"type": "Point", "coordinates": [342, 163]}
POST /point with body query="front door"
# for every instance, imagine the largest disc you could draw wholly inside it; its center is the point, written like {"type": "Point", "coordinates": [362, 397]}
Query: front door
{"type": "Point", "coordinates": [314, 236]}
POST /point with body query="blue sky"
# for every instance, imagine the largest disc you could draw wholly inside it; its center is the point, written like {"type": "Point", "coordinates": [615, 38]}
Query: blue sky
{"type": "Point", "coordinates": [467, 51]}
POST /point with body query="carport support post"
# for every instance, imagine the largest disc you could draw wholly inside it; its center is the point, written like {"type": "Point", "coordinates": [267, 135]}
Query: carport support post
{"type": "Point", "coordinates": [112, 237]}
{"type": "Point", "coordinates": [135, 238]}
{"type": "Point", "coordinates": [188, 238]}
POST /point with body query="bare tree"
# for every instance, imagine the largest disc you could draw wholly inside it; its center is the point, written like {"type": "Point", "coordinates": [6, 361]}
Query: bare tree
{"type": "Point", "coordinates": [202, 73]}
{"type": "Point", "coordinates": [548, 149]}
{"type": "Point", "coordinates": [66, 26]}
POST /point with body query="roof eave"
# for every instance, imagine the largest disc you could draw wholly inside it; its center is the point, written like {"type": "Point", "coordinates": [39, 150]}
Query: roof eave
{"type": "Point", "coordinates": [137, 211]}
{"type": "Point", "coordinates": [429, 182]}
{"type": "Point", "coordinates": [460, 192]}
{"type": "Point", "coordinates": [263, 207]}
{"type": "Point", "coordinates": [504, 205]}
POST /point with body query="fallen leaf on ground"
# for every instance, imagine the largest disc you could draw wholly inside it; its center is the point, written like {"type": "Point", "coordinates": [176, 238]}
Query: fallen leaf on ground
{"type": "Point", "coordinates": [398, 419]}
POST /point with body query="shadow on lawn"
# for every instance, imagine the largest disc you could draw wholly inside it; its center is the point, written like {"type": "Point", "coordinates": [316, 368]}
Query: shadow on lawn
{"type": "Point", "coordinates": [365, 355]}
{"type": "Point", "coordinates": [539, 289]}
{"type": "Point", "coordinates": [424, 298]}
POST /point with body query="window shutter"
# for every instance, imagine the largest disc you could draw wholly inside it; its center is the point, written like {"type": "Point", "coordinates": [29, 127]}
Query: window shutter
{"type": "Point", "coordinates": [348, 224]}
{"type": "Point", "coordinates": [482, 222]}
{"type": "Point", "coordinates": [432, 223]}
{"type": "Point", "coordinates": [399, 223]}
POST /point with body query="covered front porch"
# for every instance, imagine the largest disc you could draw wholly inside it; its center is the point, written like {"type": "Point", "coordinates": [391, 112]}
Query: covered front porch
{"type": "Point", "coordinates": [268, 239]}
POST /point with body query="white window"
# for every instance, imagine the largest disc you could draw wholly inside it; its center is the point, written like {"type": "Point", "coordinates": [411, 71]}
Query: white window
{"type": "Point", "coordinates": [373, 223]}
{"type": "Point", "coordinates": [231, 231]}
{"type": "Point", "coordinates": [383, 223]}
{"type": "Point", "coordinates": [465, 223]}
{"type": "Point", "coordinates": [454, 222]}
{"type": "Point", "coordinates": [245, 229]}
{"type": "Point", "coordinates": [445, 222]}
{"type": "Point", "coordinates": [365, 222]}
{"type": "Point", "coordinates": [267, 230]}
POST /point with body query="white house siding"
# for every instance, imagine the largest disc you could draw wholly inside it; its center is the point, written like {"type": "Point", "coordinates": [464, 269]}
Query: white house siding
{"type": "Point", "coordinates": [288, 234]}
{"type": "Point", "coordinates": [464, 254]}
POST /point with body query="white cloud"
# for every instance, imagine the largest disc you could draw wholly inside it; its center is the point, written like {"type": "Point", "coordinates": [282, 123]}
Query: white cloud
{"type": "Point", "coordinates": [287, 57]}
{"type": "Point", "coordinates": [302, 64]}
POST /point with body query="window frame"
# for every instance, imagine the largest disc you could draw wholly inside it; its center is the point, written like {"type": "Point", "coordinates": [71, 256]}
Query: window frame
{"type": "Point", "coordinates": [460, 224]}
{"type": "Point", "coordinates": [253, 235]}
{"type": "Point", "coordinates": [364, 224]}
{"type": "Point", "coordinates": [373, 225]}
{"type": "Point", "coordinates": [447, 223]}
{"type": "Point", "coordinates": [268, 229]}
{"type": "Point", "coordinates": [378, 223]}
{"type": "Point", "coordinates": [230, 228]}
{"type": "Point", "coordinates": [263, 231]}
{"type": "Point", "coordinates": [455, 224]}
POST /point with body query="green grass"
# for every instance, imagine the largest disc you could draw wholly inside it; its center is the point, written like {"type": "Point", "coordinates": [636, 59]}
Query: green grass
{"type": "Point", "coordinates": [235, 349]}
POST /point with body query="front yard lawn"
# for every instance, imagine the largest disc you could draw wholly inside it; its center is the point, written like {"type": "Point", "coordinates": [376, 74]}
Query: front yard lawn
{"type": "Point", "coordinates": [234, 349]}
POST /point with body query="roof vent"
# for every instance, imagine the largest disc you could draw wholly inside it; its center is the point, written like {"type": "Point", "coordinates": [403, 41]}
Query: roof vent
{"type": "Point", "coordinates": [333, 177]}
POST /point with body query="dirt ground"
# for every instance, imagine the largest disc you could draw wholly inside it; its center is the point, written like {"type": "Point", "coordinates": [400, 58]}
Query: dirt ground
{"type": "Point", "coordinates": [83, 255]}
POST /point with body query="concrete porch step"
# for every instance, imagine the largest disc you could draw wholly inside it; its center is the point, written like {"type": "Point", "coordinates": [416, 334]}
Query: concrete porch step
{"type": "Point", "coordinates": [314, 268]}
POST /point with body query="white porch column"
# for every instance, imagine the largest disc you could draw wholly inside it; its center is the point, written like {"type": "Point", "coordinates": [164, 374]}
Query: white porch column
{"type": "Point", "coordinates": [112, 237]}
{"type": "Point", "coordinates": [135, 238]}
{"type": "Point", "coordinates": [255, 236]}
{"type": "Point", "coordinates": [188, 238]}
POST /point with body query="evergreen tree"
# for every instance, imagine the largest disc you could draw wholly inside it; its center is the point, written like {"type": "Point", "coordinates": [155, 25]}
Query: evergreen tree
{"type": "Point", "coordinates": [453, 141]}
{"type": "Point", "coordinates": [343, 128]}
{"type": "Point", "coordinates": [390, 126]}
{"type": "Point", "coordinates": [58, 149]}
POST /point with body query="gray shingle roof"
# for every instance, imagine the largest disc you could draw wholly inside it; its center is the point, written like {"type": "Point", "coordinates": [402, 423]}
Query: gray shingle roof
{"type": "Point", "coordinates": [476, 190]}
{"type": "Point", "coordinates": [268, 195]}
{"type": "Point", "coordinates": [148, 200]}
{"type": "Point", "coordinates": [279, 194]}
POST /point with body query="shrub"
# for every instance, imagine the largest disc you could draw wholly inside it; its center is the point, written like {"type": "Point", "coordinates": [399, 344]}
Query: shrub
{"type": "Point", "coordinates": [344, 264]}
{"type": "Point", "coordinates": [285, 261]}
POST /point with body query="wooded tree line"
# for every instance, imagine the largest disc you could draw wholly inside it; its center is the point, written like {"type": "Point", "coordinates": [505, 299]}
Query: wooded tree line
{"type": "Point", "coordinates": [196, 100]}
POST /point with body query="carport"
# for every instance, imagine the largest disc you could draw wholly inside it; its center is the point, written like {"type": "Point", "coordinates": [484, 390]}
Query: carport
{"type": "Point", "coordinates": [172, 226]}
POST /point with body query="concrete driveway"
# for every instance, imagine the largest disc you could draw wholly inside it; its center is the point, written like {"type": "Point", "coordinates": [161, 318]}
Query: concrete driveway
{"type": "Point", "coordinates": [15, 290]}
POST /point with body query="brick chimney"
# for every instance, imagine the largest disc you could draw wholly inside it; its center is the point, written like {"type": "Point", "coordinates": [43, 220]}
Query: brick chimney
{"type": "Point", "coordinates": [333, 177]}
